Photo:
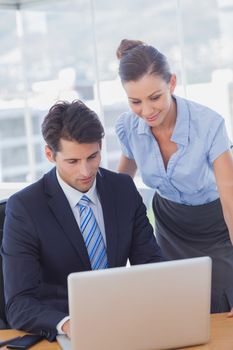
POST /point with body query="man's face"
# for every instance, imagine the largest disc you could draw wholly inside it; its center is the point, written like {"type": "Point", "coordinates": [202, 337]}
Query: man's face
{"type": "Point", "coordinates": [77, 163]}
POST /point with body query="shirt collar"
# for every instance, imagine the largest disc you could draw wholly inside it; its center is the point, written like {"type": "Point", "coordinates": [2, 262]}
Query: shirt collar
{"type": "Point", "coordinates": [180, 133]}
{"type": "Point", "coordinates": [73, 196]}
{"type": "Point", "coordinates": [143, 128]}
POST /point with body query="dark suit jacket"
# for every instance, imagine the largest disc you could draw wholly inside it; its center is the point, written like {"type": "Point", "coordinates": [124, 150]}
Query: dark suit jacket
{"type": "Point", "coordinates": [42, 245]}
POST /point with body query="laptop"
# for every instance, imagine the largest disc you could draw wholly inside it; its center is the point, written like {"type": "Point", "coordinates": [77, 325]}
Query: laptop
{"type": "Point", "coordinates": [145, 307]}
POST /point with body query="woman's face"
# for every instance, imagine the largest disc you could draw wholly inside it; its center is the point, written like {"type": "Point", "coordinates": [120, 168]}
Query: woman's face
{"type": "Point", "coordinates": [151, 98]}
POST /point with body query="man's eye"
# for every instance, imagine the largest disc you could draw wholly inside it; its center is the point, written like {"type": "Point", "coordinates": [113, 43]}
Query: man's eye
{"type": "Point", "coordinates": [93, 156]}
{"type": "Point", "coordinates": [72, 161]}
{"type": "Point", "coordinates": [135, 102]}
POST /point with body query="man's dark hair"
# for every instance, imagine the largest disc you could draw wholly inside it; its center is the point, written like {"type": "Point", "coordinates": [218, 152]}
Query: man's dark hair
{"type": "Point", "coordinates": [71, 121]}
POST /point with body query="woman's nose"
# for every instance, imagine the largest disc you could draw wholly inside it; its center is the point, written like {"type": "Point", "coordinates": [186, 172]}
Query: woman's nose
{"type": "Point", "coordinates": [147, 110]}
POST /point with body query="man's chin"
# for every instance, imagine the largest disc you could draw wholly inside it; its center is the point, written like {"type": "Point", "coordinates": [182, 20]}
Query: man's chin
{"type": "Point", "coordinates": [84, 187]}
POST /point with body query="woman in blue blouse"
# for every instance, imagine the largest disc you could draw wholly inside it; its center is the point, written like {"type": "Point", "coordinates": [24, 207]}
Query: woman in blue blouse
{"type": "Point", "coordinates": [182, 150]}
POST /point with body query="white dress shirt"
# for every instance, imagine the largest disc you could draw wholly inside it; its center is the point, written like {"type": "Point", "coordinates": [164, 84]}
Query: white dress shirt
{"type": "Point", "coordinates": [73, 196]}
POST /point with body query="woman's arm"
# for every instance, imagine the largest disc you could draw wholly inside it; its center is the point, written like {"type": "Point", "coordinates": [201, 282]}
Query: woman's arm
{"type": "Point", "coordinates": [223, 170]}
{"type": "Point", "coordinates": [127, 166]}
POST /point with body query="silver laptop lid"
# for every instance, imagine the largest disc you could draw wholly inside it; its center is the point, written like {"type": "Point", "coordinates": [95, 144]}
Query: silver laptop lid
{"type": "Point", "coordinates": [153, 306]}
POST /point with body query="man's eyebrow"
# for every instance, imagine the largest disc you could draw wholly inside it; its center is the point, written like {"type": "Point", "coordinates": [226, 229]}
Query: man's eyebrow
{"type": "Point", "coordinates": [93, 154]}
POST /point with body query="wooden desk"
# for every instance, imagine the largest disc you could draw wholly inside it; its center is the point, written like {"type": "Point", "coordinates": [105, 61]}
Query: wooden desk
{"type": "Point", "coordinates": [221, 336]}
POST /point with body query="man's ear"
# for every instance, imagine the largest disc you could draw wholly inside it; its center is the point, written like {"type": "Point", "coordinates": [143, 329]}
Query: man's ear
{"type": "Point", "coordinates": [49, 154]}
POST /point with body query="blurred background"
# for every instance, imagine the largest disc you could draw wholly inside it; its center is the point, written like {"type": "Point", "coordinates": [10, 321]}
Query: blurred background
{"type": "Point", "coordinates": [55, 49]}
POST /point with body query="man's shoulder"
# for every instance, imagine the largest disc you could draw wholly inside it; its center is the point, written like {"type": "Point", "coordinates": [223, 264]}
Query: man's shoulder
{"type": "Point", "coordinates": [110, 174]}
{"type": "Point", "coordinates": [33, 191]}
{"type": "Point", "coordinates": [27, 197]}
{"type": "Point", "coordinates": [120, 182]}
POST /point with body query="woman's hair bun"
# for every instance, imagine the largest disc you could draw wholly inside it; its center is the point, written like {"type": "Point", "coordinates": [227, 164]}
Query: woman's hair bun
{"type": "Point", "coordinates": [127, 45]}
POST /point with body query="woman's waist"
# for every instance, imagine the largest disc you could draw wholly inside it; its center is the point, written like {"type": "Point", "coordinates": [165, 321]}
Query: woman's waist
{"type": "Point", "coordinates": [188, 191]}
{"type": "Point", "coordinates": [195, 198]}
{"type": "Point", "coordinates": [205, 221]}
{"type": "Point", "coordinates": [188, 200]}
{"type": "Point", "coordinates": [205, 216]}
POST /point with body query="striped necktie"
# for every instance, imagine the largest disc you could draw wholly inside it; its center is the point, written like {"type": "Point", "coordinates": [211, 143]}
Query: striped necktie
{"type": "Point", "coordinates": [92, 235]}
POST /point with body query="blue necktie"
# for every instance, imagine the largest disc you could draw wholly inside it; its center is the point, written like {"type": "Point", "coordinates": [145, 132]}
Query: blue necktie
{"type": "Point", "coordinates": [92, 235]}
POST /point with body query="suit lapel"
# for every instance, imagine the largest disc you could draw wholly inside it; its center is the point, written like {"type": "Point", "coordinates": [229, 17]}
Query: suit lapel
{"type": "Point", "coordinates": [109, 212]}
{"type": "Point", "coordinates": [61, 209]}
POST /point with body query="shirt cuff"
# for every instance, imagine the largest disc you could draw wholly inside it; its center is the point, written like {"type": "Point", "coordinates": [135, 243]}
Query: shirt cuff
{"type": "Point", "coordinates": [60, 324]}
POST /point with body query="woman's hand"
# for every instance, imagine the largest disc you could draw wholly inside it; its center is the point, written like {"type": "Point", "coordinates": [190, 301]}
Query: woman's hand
{"type": "Point", "coordinates": [230, 314]}
{"type": "Point", "coordinates": [127, 166]}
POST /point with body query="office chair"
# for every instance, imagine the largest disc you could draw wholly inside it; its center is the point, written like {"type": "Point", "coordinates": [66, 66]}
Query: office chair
{"type": "Point", "coordinates": [3, 322]}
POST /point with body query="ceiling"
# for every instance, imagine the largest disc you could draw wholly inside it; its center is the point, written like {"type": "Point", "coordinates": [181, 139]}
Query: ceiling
{"type": "Point", "coordinates": [43, 5]}
{"type": "Point", "coordinates": [20, 3]}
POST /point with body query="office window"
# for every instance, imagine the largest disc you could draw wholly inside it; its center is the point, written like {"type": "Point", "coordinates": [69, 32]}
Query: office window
{"type": "Point", "coordinates": [53, 50]}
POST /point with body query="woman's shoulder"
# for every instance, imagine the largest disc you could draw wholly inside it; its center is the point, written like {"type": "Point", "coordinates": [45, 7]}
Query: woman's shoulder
{"type": "Point", "coordinates": [128, 117]}
{"type": "Point", "coordinates": [201, 117]}
{"type": "Point", "coordinates": [127, 121]}
{"type": "Point", "coordinates": [205, 122]}
{"type": "Point", "coordinates": [202, 113]}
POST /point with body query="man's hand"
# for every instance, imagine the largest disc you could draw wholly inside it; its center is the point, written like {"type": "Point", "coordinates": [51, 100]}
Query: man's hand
{"type": "Point", "coordinates": [230, 314]}
{"type": "Point", "coordinates": [66, 327]}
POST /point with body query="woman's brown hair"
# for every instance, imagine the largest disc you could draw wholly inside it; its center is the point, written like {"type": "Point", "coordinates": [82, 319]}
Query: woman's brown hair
{"type": "Point", "coordinates": [138, 59]}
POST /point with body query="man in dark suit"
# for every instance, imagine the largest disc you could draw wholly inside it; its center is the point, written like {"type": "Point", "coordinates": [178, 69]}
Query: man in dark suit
{"type": "Point", "coordinates": [44, 239]}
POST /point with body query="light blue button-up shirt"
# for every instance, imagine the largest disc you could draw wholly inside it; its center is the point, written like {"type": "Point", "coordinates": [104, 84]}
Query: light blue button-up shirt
{"type": "Point", "coordinates": [201, 137]}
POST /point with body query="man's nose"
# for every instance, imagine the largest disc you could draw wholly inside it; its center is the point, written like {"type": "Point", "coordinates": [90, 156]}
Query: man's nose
{"type": "Point", "coordinates": [84, 169]}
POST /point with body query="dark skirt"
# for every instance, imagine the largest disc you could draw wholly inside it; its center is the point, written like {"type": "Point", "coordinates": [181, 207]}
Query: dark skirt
{"type": "Point", "coordinates": [185, 231]}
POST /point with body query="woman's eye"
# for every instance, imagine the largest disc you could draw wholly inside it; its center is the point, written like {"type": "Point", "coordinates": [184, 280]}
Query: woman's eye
{"type": "Point", "coordinates": [155, 98]}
